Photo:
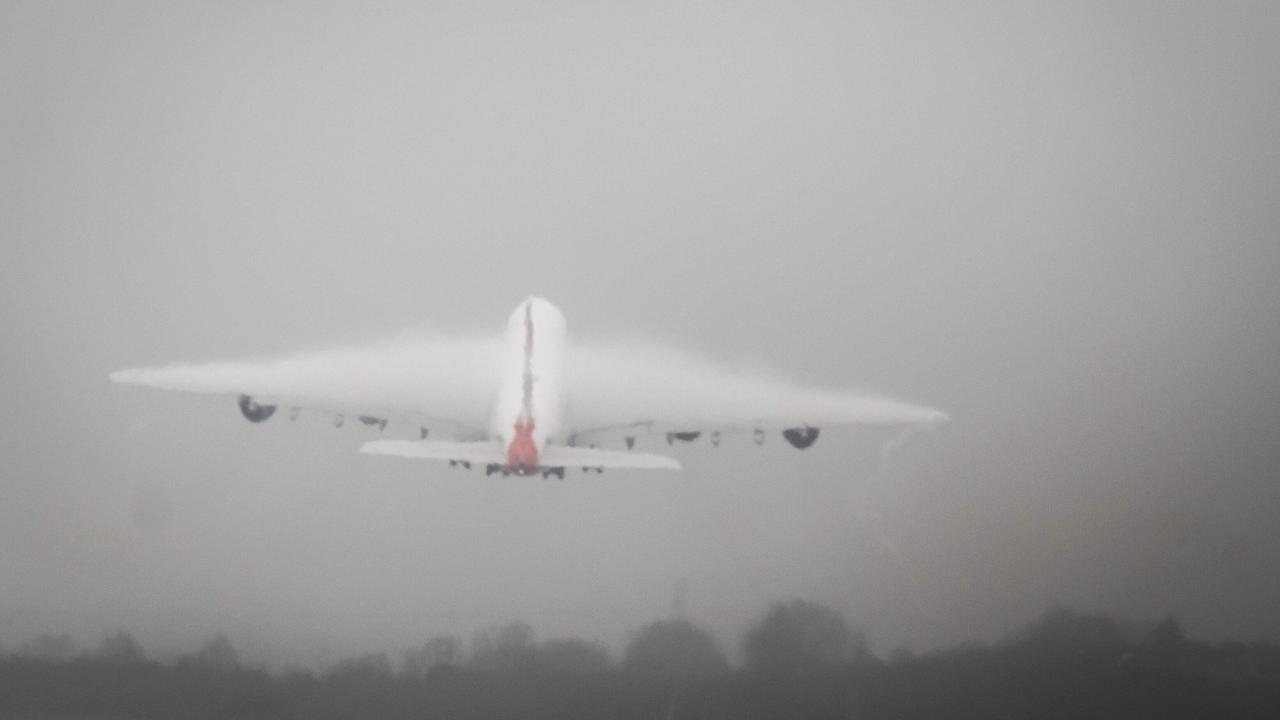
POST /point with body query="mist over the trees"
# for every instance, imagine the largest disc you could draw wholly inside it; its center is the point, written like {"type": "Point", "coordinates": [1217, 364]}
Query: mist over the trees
{"type": "Point", "coordinates": [800, 659]}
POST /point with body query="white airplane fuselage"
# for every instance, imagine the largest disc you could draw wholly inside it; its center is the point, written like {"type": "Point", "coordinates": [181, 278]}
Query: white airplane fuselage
{"type": "Point", "coordinates": [530, 409]}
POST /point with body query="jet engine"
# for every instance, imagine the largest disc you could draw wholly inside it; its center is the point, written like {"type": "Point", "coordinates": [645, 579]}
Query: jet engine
{"type": "Point", "coordinates": [801, 437]}
{"type": "Point", "coordinates": [253, 412]}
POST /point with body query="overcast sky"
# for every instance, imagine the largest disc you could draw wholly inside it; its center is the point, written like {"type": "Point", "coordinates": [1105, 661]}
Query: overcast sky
{"type": "Point", "coordinates": [1057, 222]}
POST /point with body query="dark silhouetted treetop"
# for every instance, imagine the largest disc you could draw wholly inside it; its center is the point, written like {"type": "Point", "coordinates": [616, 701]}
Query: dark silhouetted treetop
{"type": "Point", "coordinates": [506, 648]}
{"type": "Point", "coordinates": [799, 637]}
{"type": "Point", "coordinates": [674, 647]}
{"type": "Point", "coordinates": [440, 651]}
{"type": "Point", "coordinates": [216, 654]}
{"type": "Point", "coordinates": [121, 648]}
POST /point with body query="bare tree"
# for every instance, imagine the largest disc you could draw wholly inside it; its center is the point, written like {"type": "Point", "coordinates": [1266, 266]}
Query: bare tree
{"type": "Point", "coordinates": [49, 647]}
{"type": "Point", "coordinates": [675, 647]}
{"type": "Point", "coordinates": [572, 656]}
{"type": "Point", "coordinates": [121, 648]}
{"type": "Point", "coordinates": [216, 654]}
{"type": "Point", "coordinates": [505, 648]}
{"type": "Point", "coordinates": [439, 651]}
{"type": "Point", "coordinates": [799, 637]}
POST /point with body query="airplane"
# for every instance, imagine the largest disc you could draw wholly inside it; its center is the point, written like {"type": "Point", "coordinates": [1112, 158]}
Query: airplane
{"type": "Point", "coordinates": [556, 402]}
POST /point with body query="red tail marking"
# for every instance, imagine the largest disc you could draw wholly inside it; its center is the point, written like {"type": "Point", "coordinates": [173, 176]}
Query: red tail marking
{"type": "Point", "coordinates": [522, 454]}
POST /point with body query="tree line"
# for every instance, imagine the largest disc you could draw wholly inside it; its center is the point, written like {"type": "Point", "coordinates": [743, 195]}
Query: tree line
{"type": "Point", "coordinates": [800, 660]}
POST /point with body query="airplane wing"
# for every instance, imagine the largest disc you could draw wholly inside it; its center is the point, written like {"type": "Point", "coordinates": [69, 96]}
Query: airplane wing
{"type": "Point", "coordinates": [436, 384]}
{"type": "Point", "coordinates": [632, 390]}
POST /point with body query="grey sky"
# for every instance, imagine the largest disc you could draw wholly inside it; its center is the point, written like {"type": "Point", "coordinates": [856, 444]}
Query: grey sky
{"type": "Point", "coordinates": [1058, 222]}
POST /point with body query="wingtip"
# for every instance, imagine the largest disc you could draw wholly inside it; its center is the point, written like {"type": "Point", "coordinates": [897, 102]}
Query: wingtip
{"type": "Point", "coordinates": [665, 462]}
{"type": "Point", "coordinates": [122, 376]}
{"type": "Point", "coordinates": [381, 447]}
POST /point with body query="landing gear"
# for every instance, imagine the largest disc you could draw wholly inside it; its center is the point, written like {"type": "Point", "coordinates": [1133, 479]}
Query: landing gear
{"type": "Point", "coordinates": [556, 472]}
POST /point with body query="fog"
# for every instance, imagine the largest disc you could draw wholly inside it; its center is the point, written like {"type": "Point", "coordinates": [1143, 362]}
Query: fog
{"type": "Point", "coordinates": [1056, 223]}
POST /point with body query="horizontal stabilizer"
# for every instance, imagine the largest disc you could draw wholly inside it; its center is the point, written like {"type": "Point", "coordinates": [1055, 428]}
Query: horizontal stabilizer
{"type": "Point", "coordinates": [489, 452]}
{"type": "Point", "coordinates": [484, 452]}
{"type": "Point", "coordinates": [565, 456]}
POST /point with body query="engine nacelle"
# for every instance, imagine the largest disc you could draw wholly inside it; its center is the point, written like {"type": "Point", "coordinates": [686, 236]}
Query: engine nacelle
{"type": "Point", "coordinates": [254, 412]}
{"type": "Point", "coordinates": [801, 437]}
